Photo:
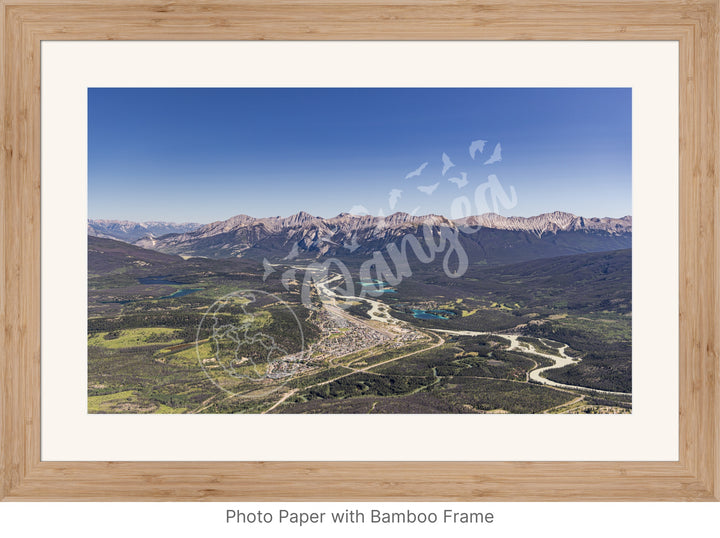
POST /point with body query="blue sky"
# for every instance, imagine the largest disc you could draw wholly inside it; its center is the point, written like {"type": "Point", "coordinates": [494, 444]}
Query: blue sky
{"type": "Point", "coordinates": [206, 154]}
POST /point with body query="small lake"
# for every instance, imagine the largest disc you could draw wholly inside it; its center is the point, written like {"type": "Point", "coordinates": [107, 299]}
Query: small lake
{"type": "Point", "coordinates": [429, 314]}
{"type": "Point", "coordinates": [163, 281]}
{"type": "Point", "coordinates": [175, 295]}
{"type": "Point", "coordinates": [159, 280]}
{"type": "Point", "coordinates": [181, 293]}
{"type": "Point", "coordinates": [378, 287]}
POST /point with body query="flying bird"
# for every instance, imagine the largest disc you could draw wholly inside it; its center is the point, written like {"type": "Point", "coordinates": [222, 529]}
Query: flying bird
{"type": "Point", "coordinates": [447, 163]}
{"type": "Point", "coordinates": [477, 146]}
{"type": "Point", "coordinates": [496, 156]}
{"type": "Point", "coordinates": [460, 182]}
{"type": "Point", "coordinates": [353, 245]}
{"type": "Point", "coordinates": [428, 189]}
{"type": "Point", "coordinates": [417, 171]}
{"type": "Point", "coordinates": [393, 197]}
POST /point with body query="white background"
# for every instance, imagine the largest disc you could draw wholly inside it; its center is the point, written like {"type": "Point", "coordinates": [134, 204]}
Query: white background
{"type": "Point", "coordinates": [512, 520]}
{"type": "Point", "coordinates": [69, 433]}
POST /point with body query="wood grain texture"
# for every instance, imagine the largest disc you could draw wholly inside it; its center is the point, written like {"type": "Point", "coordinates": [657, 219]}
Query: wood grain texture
{"type": "Point", "coordinates": [694, 24]}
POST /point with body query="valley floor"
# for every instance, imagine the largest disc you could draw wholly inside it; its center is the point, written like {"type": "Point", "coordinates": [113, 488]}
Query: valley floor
{"type": "Point", "coordinates": [580, 399]}
{"type": "Point", "coordinates": [159, 343]}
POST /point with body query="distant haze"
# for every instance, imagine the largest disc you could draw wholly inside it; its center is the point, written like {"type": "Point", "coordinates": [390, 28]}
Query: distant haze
{"type": "Point", "coordinates": [203, 155]}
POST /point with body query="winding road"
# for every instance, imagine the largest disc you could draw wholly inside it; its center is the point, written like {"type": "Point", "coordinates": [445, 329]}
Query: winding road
{"type": "Point", "coordinates": [380, 312]}
{"type": "Point", "coordinates": [534, 375]}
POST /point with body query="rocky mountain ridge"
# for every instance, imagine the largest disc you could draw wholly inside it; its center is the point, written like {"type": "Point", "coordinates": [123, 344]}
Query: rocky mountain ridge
{"type": "Point", "coordinates": [129, 231]}
{"type": "Point", "coordinates": [303, 234]}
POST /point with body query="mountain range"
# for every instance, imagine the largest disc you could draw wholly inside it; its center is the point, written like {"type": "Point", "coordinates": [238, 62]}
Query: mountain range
{"type": "Point", "coordinates": [490, 237]}
{"type": "Point", "coordinates": [128, 231]}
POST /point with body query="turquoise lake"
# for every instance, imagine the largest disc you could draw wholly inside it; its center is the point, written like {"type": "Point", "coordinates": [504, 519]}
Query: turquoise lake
{"type": "Point", "coordinates": [429, 314]}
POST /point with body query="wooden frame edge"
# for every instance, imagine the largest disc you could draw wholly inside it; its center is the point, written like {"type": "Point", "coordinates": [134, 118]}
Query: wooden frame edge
{"type": "Point", "coordinates": [23, 476]}
{"type": "Point", "coordinates": [359, 481]}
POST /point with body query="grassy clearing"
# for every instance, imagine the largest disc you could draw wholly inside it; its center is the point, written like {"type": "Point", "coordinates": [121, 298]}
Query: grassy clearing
{"type": "Point", "coordinates": [105, 403]}
{"type": "Point", "coordinates": [141, 336]}
{"type": "Point", "coordinates": [205, 351]}
{"type": "Point", "coordinates": [128, 401]}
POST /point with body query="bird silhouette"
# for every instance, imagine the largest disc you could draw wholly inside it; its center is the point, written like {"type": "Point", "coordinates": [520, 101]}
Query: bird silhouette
{"type": "Point", "coordinates": [353, 245]}
{"type": "Point", "coordinates": [447, 163]}
{"type": "Point", "coordinates": [417, 171]}
{"type": "Point", "coordinates": [460, 182]}
{"type": "Point", "coordinates": [428, 189]}
{"type": "Point", "coordinates": [496, 156]}
{"type": "Point", "coordinates": [476, 146]}
{"type": "Point", "coordinates": [393, 197]}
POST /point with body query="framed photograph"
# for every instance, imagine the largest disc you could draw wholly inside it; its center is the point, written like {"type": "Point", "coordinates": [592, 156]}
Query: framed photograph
{"type": "Point", "coordinates": [423, 251]}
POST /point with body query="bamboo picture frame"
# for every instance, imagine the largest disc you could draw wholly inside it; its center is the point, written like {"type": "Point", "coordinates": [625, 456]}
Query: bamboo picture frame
{"type": "Point", "coordinates": [24, 24]}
